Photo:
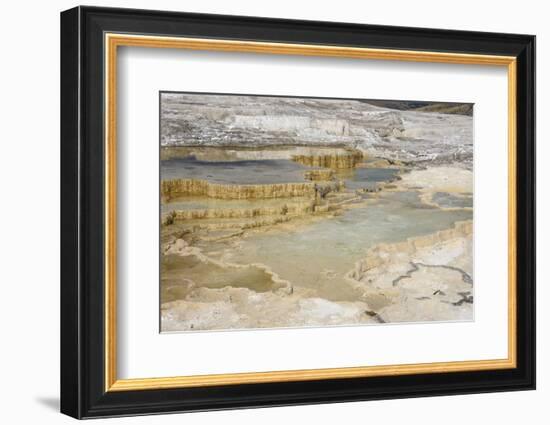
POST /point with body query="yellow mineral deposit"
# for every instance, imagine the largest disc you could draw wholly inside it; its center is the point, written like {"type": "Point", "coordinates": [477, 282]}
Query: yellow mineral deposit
{"type": "Point", "coordinates": [191, 187]}
{"type": "Point", "coordinates": [319, 175]}
{"type": "Point", "coordinates": [335, 161]}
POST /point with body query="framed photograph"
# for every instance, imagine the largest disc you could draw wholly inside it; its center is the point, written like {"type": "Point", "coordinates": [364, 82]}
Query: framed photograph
{"type": "Point", "coordinates": [261, 212]}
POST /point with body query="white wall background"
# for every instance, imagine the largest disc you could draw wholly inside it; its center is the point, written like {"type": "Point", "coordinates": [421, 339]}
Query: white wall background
{"type": "Point", "coordinates": [29, 210]}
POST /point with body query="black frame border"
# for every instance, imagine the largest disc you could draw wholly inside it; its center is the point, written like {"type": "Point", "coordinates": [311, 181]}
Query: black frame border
{"type": "Point", "coordinates": [82, 205]}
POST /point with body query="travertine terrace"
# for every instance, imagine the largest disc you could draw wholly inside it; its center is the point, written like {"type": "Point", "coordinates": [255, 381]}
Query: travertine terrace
{"type": "Point", "coordinates": [289, 212]}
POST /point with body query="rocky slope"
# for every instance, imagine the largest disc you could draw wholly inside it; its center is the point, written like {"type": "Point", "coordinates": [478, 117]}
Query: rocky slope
{"type": "Point", "coordinates": [259, 121]}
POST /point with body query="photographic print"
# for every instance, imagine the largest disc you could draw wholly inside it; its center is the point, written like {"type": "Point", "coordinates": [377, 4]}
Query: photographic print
{"type": "Point", "coordinates": [328, 212]}
{"type": "Point", "coordinates": [284, 212]}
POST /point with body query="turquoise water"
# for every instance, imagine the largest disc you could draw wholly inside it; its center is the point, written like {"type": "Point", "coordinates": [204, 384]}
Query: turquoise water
{"type": "Point", "coordinates": [234, 172]}
{"type": "Point", "coordinates": [366, 178]}
{"type": "Point", "coordinates": [448, 200]}
{"type": "Point", "coordinates": [318, 255]}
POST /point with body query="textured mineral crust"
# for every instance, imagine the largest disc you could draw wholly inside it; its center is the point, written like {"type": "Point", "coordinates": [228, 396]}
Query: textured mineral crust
{"type": "Point", "coordinates": [252, 121]}
{"type": "Point", "coordinates": [428, 278]}
{"type": "Point", "coordinates": [289, 212]}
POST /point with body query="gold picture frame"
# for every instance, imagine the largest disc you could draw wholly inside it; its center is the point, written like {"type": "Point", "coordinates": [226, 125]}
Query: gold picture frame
{"type": "Point", "coordinates": [114, 41]}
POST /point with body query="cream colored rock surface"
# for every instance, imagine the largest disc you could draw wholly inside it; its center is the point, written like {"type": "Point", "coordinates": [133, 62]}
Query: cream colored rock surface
{"type": "Point", "coordinates": [445, 187]}
{"type": "Point", "coordinates": [440, 179]}
{"type": "Point", "coordinates": [240, 308]}
{"type": "Point", "coordinates": [422, 279]}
